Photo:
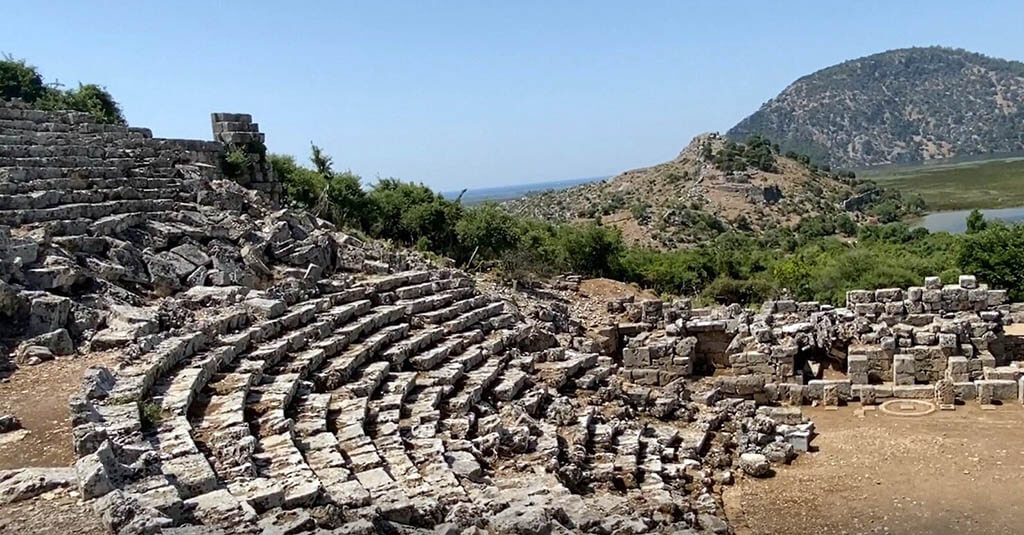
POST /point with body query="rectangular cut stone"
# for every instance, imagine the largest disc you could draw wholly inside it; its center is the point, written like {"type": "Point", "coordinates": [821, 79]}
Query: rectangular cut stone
{"type": "Point", "coordinates": [857, 363]}
{"type": "Point", "coordinates": [958, 369]}
{"type": "Point", "coordinates": [815, 388]}
{"type": "Point", "coordinates": [903, 369]}
{"type": "Point", "coordinates": [913, 391]}
{"type": "Point", "coordinates": [997, 390]}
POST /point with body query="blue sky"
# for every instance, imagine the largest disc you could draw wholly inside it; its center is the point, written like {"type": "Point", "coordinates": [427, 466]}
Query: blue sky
{"type": "Point", "coordinates": [475, 94]}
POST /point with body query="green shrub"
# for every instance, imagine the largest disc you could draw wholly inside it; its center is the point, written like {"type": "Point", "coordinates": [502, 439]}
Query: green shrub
{"type": "Point", "coordinates": [20, 80]}
{"type": "Point", "coordinates": [996, 255]}
{"type": "Point", "coordinates": [236, 161]}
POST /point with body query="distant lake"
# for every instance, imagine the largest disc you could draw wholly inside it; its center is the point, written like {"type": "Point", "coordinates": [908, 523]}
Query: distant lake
{"type": "Point", "coordinates": [955, 221]}
{"type": "Point", "coordinates": [502, 193]}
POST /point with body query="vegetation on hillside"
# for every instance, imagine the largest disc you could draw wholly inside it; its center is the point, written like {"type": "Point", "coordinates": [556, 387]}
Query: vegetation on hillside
{"type": "Point", "coordinates": [20, 80]}
{"type": "Point", "coordinates": [820, 259]}
{"type": "Point", "coordinates": [899, 106]}
{"type": "Point", "coordinates": [715, 186]}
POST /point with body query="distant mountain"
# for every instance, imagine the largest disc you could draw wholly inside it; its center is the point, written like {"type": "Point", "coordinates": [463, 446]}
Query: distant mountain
{"type": "Point", "coordinates": [900, 106]}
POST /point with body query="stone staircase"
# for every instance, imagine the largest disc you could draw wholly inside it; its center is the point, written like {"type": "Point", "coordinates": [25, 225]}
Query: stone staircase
{"type": "Point", "coordinates": [335, 397]}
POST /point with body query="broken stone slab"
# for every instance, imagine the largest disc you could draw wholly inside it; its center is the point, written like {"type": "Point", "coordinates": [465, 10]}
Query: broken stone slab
{"type": "Point", "coordinates": [56, 342]}
{"type": "Point", "coordinates": [265, 308]}
{"type": "Point", "coordinates": [25, 483]}
{"type": "Point", "coordinates": [464, 464]}
{"type": "Point", "coordinates": [192, 254]}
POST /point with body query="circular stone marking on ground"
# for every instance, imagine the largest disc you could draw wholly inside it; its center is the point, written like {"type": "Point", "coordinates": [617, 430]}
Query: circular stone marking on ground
{"type": "Point", "coordinates": [907, 407]}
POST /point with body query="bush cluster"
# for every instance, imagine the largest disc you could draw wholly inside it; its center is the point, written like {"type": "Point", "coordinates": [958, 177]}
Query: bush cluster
{"type": "Point", "coordinates": [20, 80]}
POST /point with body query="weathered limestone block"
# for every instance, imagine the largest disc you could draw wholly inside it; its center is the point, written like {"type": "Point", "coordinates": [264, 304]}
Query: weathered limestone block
{"type": "Point", "coordinates": [968, 281]}
{"type": "Point", "coordinates": [966, 390]}
{"type": "Point", "coordinates": [903, 369]}
{"type": "Point", "coordinates": [867, 394]}
{"type": "Point", "coordinates": [857, 368]}
{"type": "Point", "coordinates": [858, 297]}
{"type": "Point", "coordinates": [815, 389]}
{"type": "Point", "coordinates": [889, 295]}
{"type": "Point", "coordinates": [48, 313]}
{"type": "Point", "coordinates": [795, 395]}
{"type": "Point", "coordinates": [913, 391]}
{"type": "Point", "coordinates": [830, 395]}
{"type": "Point", "coordinates": [958, 370]}
{"type": "Point", "coordinates": [945, 394]}
{"type": "Point", "coordinates": [998, 390]}
{"type": "Point", "coordinates": [932, 283]}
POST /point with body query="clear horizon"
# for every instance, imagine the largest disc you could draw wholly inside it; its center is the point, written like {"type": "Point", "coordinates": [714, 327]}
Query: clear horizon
{"type": "Point", "coordinates": [462, 95]}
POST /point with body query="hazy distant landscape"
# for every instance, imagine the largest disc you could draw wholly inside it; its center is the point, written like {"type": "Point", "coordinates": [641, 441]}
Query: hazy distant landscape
{"type": "Point", "coordinates": [501, 193]}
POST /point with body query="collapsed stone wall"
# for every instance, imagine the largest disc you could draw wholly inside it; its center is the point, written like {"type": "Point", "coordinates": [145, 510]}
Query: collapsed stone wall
{"type": "Point", "coordinates": [884, 343]}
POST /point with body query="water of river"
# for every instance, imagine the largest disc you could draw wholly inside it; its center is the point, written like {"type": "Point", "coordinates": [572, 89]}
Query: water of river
{"type": "Point", "coordinates": [955, 222]}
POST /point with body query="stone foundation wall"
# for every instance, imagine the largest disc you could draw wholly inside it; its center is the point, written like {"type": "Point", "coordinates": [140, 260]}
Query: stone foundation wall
{"type": "Point", "coordinates": [888, 342]}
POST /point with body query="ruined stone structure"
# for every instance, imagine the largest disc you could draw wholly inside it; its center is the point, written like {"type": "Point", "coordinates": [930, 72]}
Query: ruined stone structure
{"type": "Point", "coordinates": [919, 342]}
{"type": "Point", "coordinates": [279, 376]}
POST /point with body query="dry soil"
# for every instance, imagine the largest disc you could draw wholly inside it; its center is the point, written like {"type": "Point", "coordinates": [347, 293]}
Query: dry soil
{"type": "Point", "coordinates": [948, 472]}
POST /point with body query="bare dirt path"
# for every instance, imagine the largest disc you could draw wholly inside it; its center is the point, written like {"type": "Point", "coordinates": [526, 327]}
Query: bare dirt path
{"type": "Point", "coordinates": [949, 472]}
{"type": "Point", "coordinates": [38, 396]}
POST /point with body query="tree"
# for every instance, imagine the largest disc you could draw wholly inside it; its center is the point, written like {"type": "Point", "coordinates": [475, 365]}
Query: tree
{"type": "Point", "coordinates": [88, 98]}
{"type": "Point", "coordinates": [489, 230]}
{"type": "Point", "coordinates": [321, 161]}
{"type": "Point", "coordinates": [302, 185]}
{"type": "Point", "coordinates": [18, 79]}
{"type": "Point", "coordinates": [996, 255]}
{"type": "Point", "coordinates": [975, 222]}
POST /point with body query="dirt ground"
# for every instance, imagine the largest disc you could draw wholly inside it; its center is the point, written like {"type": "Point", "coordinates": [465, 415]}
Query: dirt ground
{"type": "Point", "coordinates": [607, 289]}
{"type": "Point", "coordinates": [38, 396]}
{"type": "Point", "coordinates": [948, 472]}
{"type": "Point", "coordinates": [59, 511]}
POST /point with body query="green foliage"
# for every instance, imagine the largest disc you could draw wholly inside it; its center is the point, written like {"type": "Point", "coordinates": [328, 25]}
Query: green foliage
{"type": "Point", "coordinates": [88, 98]}
{"type": "Point", "coordinates": [235, 163]}
{"type": "Point", "coordinates": [407, 213]}
{"type": "Point", "coordinates": [20, 80]}
{"type": "Point", "coordinates": [489, 230]}
{"type": "Point", "coordinates": [996, 255]}
{"type": "Point", "coordinates": [975, 222]}
{"type": "Point", "coordinates": [758, 152]}
{"type": "Point", "coordinates": [302, 185]}
{"type": "Point", "coordinates": [150, 414]}
{"type": "Point", "coordinates": [590, 249]}
{"type": "Point", "coordinates": [806, 263]}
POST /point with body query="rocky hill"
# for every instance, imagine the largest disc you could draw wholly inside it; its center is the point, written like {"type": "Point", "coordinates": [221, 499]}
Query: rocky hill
{"type": "Point", "coordinates": [900, 106]}
{"type": "Point", "coordinates": [712, 186]}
